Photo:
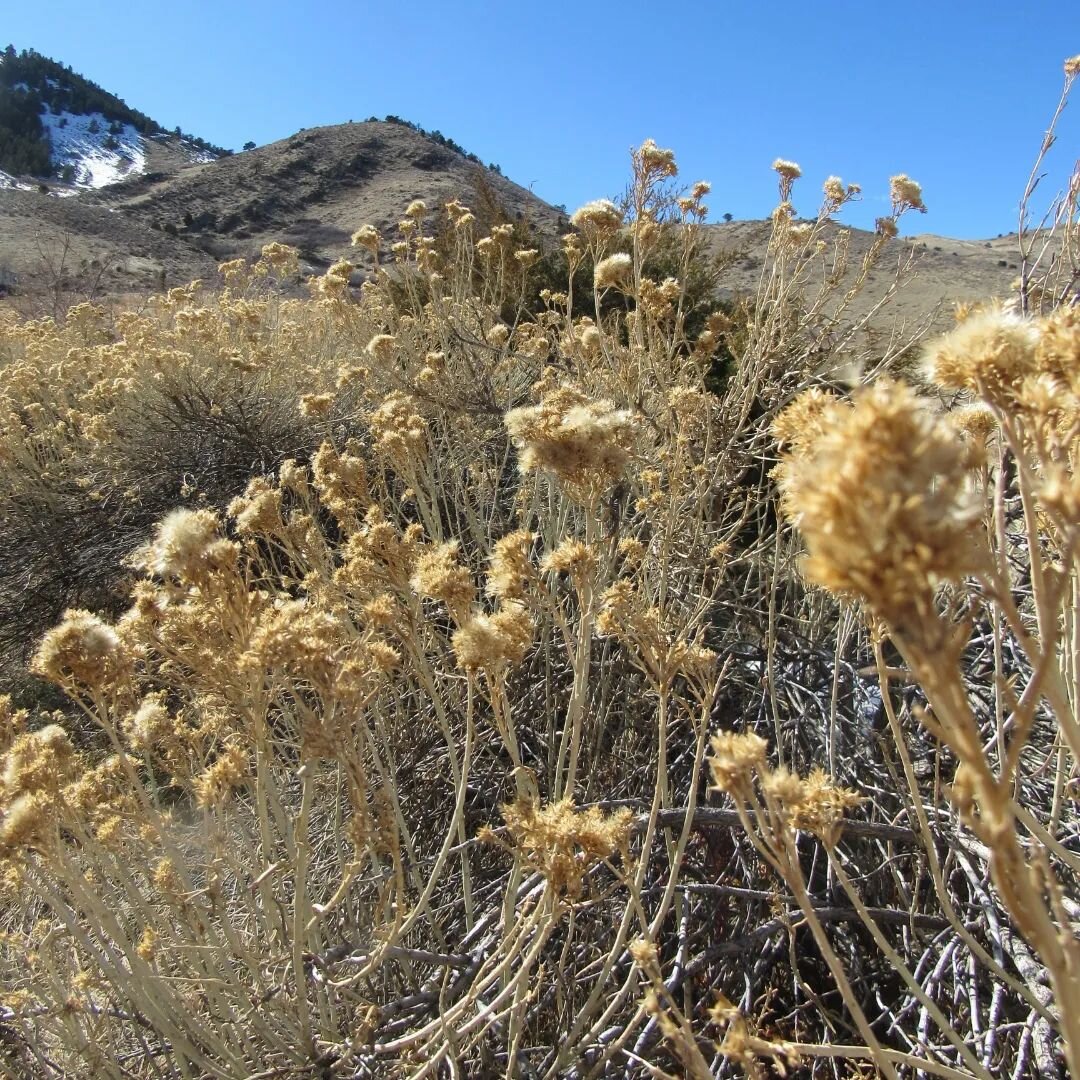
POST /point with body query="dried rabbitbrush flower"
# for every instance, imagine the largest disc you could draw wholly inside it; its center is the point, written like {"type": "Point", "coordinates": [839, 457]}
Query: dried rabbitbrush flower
{"type": "Point", "coordinates": [341, 481]}
{"type": "Point", "coordinates": [148, 725]}
{"type": "Point", "coordinates": [416, 209]}
{"type": "Point", "coordinates": [316, 406]}
{"type": "Point", "coordinates": [439, 576]}
{"type": "Point", "coordinates": [498, 335]}
{"type": "Point", "coordinates": [590, 340]}
{"type": "Point", "coordinates": [12, 722]}
{"type": "Point", "coordinates": [598, 218]}
{"type": "Point", "coordinates": [977, 422]}
{"type": "Point", "coordinates": [736, 758]}
{"type": "Point", "coordinates": [81, 649]}
{"type": "Point", "coordinates": [801, 422]}
{"type": "Point", "coordinates": [258, 511]}
{"type": "Point", "coordinates": [494, 642]}
{"type": "Point", "coordinates": [186, 546]}
{"type": "Point", "coordinates": [564, 843]}
{"type": "Point", "coordinates": [887, 227]}
{"type": "Point", "coordinates": [400, 431]}
{"type": "Point", "coordinates": [335, 282]}
{"type": "Point", "coordinates": [381, 346]}
{"type": "Point", "coordinates": [1072, 66]}
{"type": "Point", "coordinates": [281, 258]}
{"type": "Point", "coordinates": [41, 760]}
{"type": "Point", "coordinates": [613, 271]}
{"type": "Point", "coordinates": [815, 805]}
{"type": "Point", "coordinates": [657, 160]}
{"type": "Point", "coordinates": [230, 771]}
{"type": "Point", "coordinates": [882, 499]}
{"type": "Point", "coordinates": [990, 354]}
{"type": "Point", "coordinates": [906, 194]}
{"type": "Point", "coordinates": [744, 1048]}
{"type": "Point", "coordinates": [788, 170]}
{"type": "Point", "coordinates": [510, 567]}
{"type": "Point", "coordinates": [367, 236]}
{"type": "Point", "coordinates": [526, 257]}
{"type": "Point", "coordinates": [28, 821]}
{"type": "Point", "coordinates": [572, 557]}
{"type": "Point", "coordinates": [584, 443]}
{"type": "Point", "coordinates": [834, 190]}
{"type": "Point", "coordinates": [147, 947]}
{"type": "Point", "coordinates": [1058, 349]}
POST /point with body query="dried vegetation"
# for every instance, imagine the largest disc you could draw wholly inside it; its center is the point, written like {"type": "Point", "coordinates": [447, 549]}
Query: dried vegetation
{"type": "Point", "coordinates": [490, 698]}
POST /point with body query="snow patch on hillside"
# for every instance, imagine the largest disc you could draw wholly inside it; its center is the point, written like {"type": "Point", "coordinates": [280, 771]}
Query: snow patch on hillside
{"type": "Point", "coordinates": [7, 182]}
{"type": "Point", "coordinates": [98, 156]}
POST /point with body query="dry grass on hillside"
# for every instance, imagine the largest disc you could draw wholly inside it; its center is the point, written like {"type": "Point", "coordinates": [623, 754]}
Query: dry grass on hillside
{"type": "Point", "coordinates": [553, 700]}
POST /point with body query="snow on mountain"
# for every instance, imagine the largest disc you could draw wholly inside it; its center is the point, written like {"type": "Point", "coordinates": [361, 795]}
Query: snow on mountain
{"type": "Point", "coordinates": [100, 152]}
{"type": "Point", "coordinates": [7, 182]}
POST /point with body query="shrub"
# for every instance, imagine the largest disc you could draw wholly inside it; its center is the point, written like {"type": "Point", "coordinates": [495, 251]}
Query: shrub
{"type": "Point", "coordinates": [396, 762]}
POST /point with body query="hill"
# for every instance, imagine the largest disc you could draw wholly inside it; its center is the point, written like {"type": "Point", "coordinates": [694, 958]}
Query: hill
{"type": "Point", "coordinates": [311, 191]}
{"type": "Point", "coordinates": [57, 125]}
{"type": "Point", "coordinates": [156, 208]}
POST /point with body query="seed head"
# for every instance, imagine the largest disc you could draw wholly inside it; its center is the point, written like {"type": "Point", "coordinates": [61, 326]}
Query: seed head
{"type": "Point", "coordinates": [788, 170]}
{"type": "Point", "coordinates": [598, 218]}
{"type": "Point", "coordinates": [990, 354]}
{"type": "Point", "coordinates": [82, 649]}
{"type": "Point", "coordinates": [613, 271]}
{"type": "Point", "coordinates": [584, 443]}
{"type": "Point", "coordinates": [186, 546]}
{"type": "Point", "coordinates": [495, 642]}
{"type": "Point", "coordinates": [906, 194]}
{"type": "Point", "coordinates": [367, 236]}
{"type": "Point", "coordinates": [883, 501]}
{"type": "Point", "coordinates": [439, 576]}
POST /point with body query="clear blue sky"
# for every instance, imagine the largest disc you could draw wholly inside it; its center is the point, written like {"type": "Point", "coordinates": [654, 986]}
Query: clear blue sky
{"type": "Point", "coordinates": [956, 93]}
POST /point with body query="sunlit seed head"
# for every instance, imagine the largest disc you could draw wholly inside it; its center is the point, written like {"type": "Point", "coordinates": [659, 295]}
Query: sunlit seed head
{"type": "Point", "coordinates": [186, 544]}
{"type": "Point", "coordinates": [991, 352]}
{"type": "Point", "coordinates": [601, 217]}
{"type": "Point", "coordinates": [367, 236]}
{"type": "Point", "coordinates": [787, 170]}
{"type": "Point", "coordinates": [381, 346]}
{"type": "Point", "coordinates": [735, 758]}
{"type": "Point", "coordinates": [883, 499]}
{"type": "Point", "coordinates": [613, 271]}
{"type": "Point", "coordinates": [887, 227]}
{"type": "Point", "coordinates": [82, 648]}
{"type": "Point", "coordinates": [655, 159]}
{"type": "Point", "coordinates": [905, 193]}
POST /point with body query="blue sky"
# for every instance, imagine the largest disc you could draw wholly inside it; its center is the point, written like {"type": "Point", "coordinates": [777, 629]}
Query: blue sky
{"type": "Point", "coordinates": [955, 93]}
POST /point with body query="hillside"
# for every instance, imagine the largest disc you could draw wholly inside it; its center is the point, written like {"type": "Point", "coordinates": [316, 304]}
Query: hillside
{"type": "Point", "coordinates": [310, 191]}
{"type": "Point", "coordinates": [156, 208]}
{"type": "Point", "coordinates": [56, 125]}
{"type": "Point", "coordinates": [945, 271]}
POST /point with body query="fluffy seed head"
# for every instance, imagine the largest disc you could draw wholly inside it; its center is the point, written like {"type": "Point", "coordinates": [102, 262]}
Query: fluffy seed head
{"type": "Point", "coordinates": [883, 501]}
{"type": "Point", "coordinates": [494, 642]}
{"type": "Point", "coordinates": [905, 193]}
{"type": "Point", "coordinates": [601, 217]}
{"type": "Point", "coordinates": [367, 236]}
{"type": "Point", "coordinates": [613, 271]}
{"type": "Point", "coordinates": [584, 443]}
{"type": "Point", "coordinates": [186, 546]}
{"type": "Point", "coordinates": [990, 354]}
{"type": "Point", "coordinates": [82, 649]}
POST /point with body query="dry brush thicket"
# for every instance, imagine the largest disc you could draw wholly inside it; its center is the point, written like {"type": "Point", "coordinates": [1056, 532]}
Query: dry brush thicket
{"type": "Point", "coordinates": [534, 711]}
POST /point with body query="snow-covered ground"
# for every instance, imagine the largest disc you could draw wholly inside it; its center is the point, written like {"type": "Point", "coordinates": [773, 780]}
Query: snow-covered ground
{"type": "Point", "coordinates": [84, 142]}
{"type": "Point", "coordinates": [7, 182]}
